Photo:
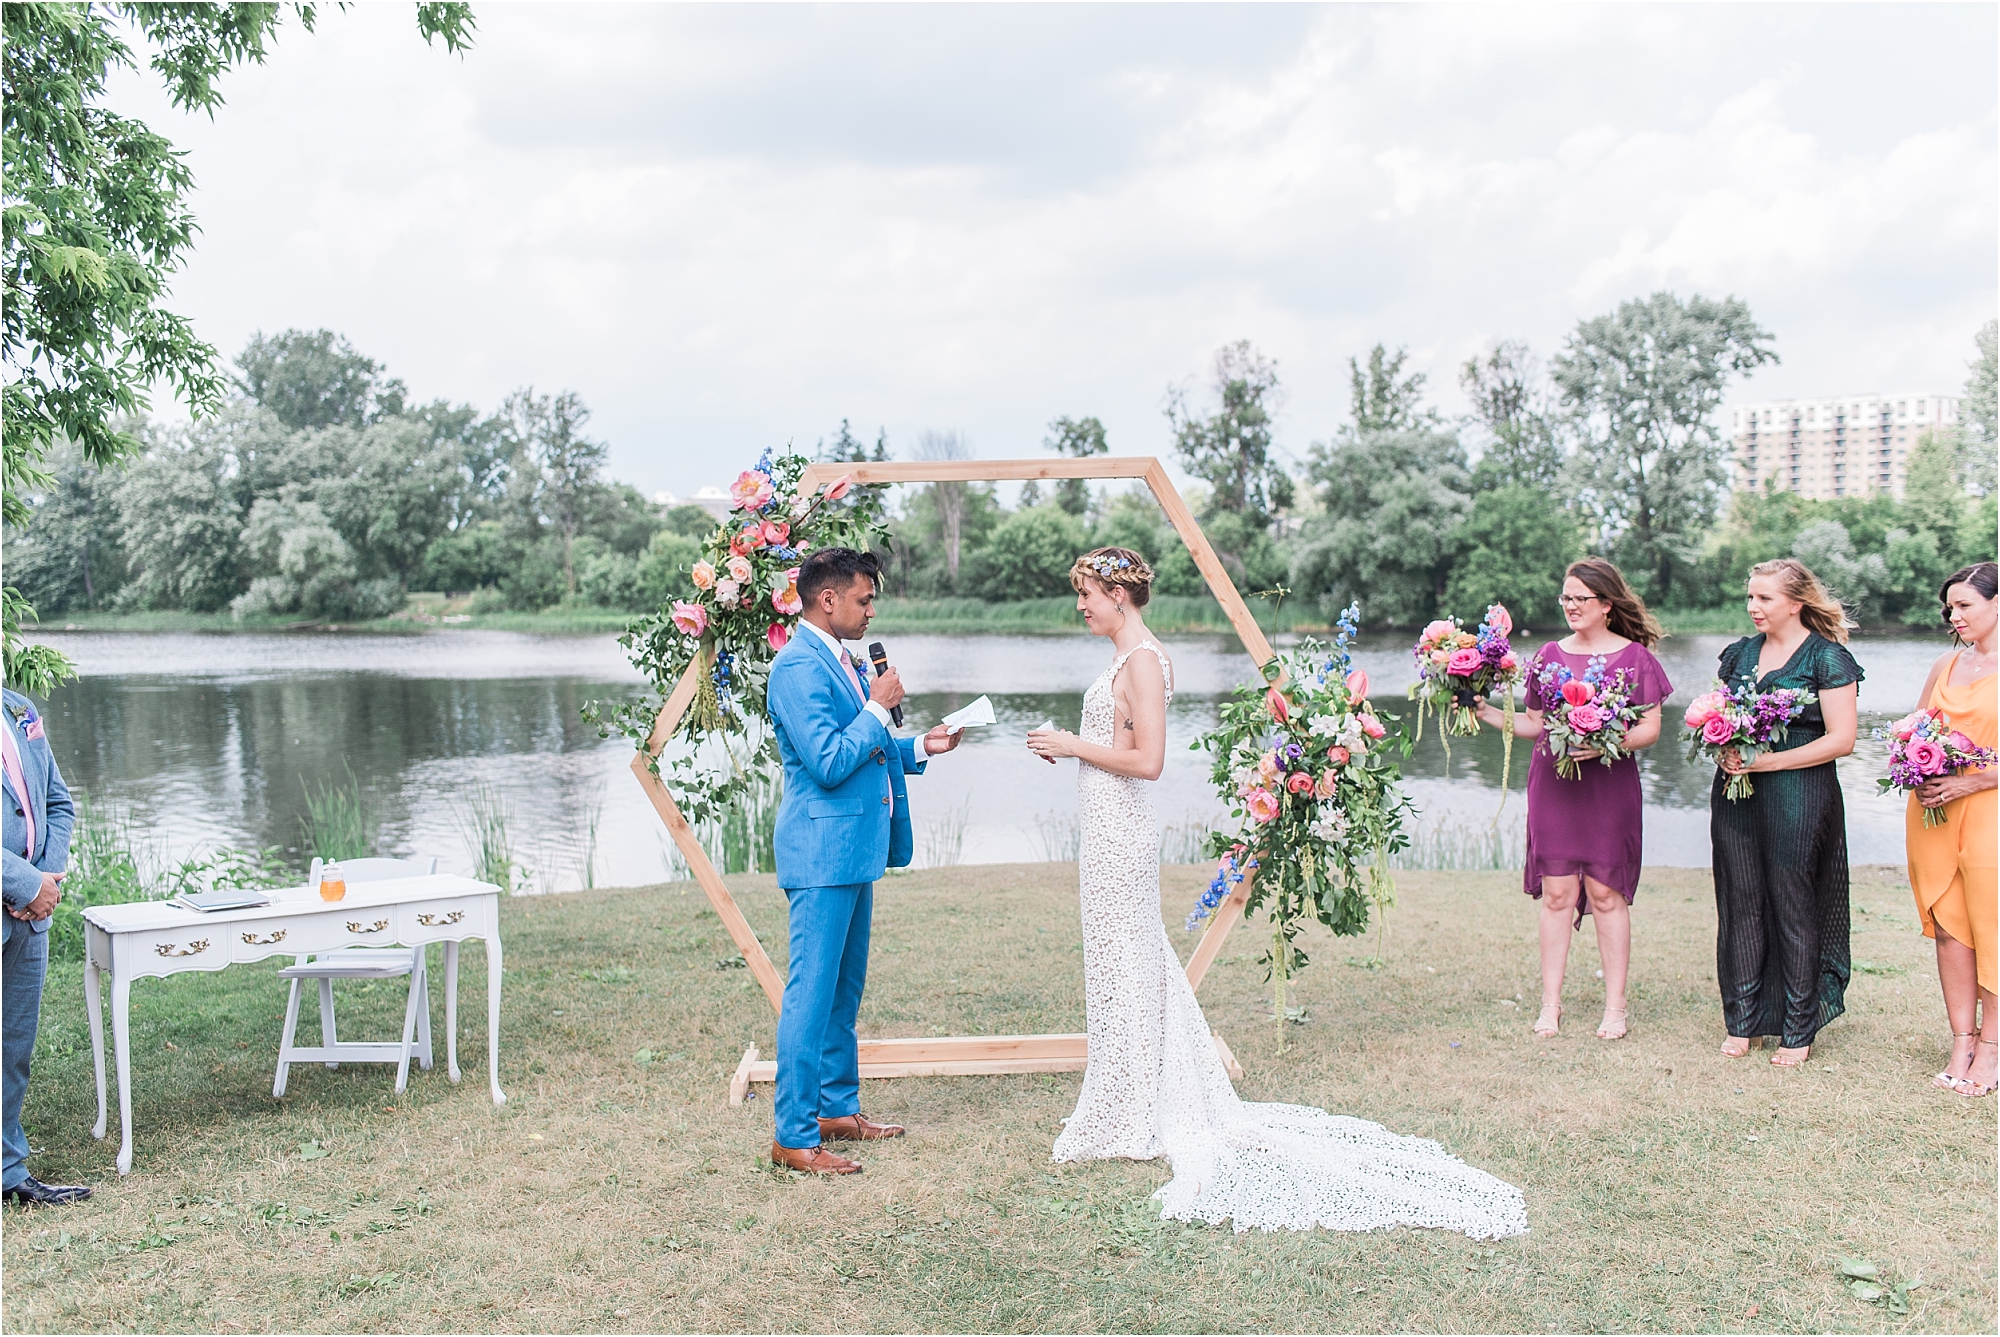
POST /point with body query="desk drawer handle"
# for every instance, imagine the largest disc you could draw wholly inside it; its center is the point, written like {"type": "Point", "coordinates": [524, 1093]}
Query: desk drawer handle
{"type": "Point", "coordinates": [431, 921]}
{"type": "Point", "coordinates": [255, 941]}
{"type": "Point", "coordinates": [195, 948]}
{"type": "Point", "coordinates": [376, 927]}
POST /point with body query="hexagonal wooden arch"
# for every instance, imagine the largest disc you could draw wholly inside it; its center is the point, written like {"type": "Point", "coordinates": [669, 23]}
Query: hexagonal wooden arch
{"type": "Point", "coordinates": [954, 1055]}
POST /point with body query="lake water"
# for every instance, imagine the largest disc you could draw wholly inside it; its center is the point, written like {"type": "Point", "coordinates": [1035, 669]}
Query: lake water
{"type": "Point", "coordinates": [209, 739]}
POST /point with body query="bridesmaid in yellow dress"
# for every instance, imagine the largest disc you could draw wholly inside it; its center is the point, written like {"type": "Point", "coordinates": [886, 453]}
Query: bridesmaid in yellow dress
{"type": "Point", "coordinates": [1952, 866]}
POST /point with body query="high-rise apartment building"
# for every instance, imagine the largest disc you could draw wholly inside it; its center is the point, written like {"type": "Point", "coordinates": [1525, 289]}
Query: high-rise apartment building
{"type": "Point", "coordinates": [1856, 446]}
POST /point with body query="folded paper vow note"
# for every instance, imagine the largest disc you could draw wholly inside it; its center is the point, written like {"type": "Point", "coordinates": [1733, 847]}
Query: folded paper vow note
{"type": "Point", "coordinates": [979, 712]}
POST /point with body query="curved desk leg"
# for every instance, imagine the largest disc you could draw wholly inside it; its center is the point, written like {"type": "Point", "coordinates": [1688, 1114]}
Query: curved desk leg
{"type": "Point", "coordinates": [492, 1013]}
{"type": "Point", "coordinates": [121, 1036]}
{"type": "Point", "coordinates": [93, 1006]}
{"type": "Point", "coordinates": [451, 1009]}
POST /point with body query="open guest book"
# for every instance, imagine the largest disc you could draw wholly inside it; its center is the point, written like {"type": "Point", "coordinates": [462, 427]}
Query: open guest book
{"type": "Point", "coordinates": [231, 899]}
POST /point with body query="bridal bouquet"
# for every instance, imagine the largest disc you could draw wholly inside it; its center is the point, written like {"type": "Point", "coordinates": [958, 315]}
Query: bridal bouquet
{"type": "Point", "coordinates": [1308, 771]}
{"type": "Point", "coordinates": [1923, 746]}
{"type": "Point", "coordinates": [739, 608]}
{"type": "Point", "coordinates": [1580, 712]}
{"type": "Point", "coordinates": [1743, 718]}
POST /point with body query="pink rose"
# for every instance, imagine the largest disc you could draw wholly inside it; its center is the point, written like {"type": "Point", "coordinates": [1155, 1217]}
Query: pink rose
{"type": "Point", "coordinates": [1280, 708]}
{"type": "Point", "coordinates": [776, 636]}
{"type": "Point", "coordinates": [703, 576]}
{"type": "Point", "coordinates": [1464, 663]}
{"type": "Point", "coordinates": [1577, 692]}
{"type": "Point", "coordinates": [752, 490]}
{"type": "Point", "coordinates": [1586, 719]}
{"type": "Point", "coordinates": [1299, 782]}
{"type": "Point", "coordinates": [1928, 757]}
{"type": "Point", "coordinates": [1337, 754]}
{"type": "Point", "coordinates": [1371, 726]}
{"type": "Point", "coordinates": [1263, 804]}
{"type": "Point", "coordinates": [740, 570]}
{"type": "Point", "coordinates": [1509, 662]}
{"type": "Point", "coordinates": [1440, 658]}
{"type": "Point", "coordinates": [1499, 619]}
{"type": "Point", "coordinates": [838, 487]}
{"type": "Point", "coordinates": [1267, 769]}
{"type": "Point", "coordinates": [1327, 782]}
{"type": "Point", "coordinates": [1357, 685]}
{"type": "Point", "coordinates": [1717, 731]}
{"type": "Point", "coordinates": [690, 618]}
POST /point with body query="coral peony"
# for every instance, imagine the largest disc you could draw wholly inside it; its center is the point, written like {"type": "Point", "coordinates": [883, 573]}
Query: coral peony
{"type": "Point", "coordinates": [742, 542]}
{"type": "Point", "coordinates": [752, 490]}
{"type": "Point", "coordinates": [1717, 730]}
{"type": "Point", "coordinates": [1263, 804]}
{"type": "Point", "coordinates": [1357, 685]}
{"type": "Point", "coordinates": [1337, 754]}
{"type": "Point", "coordinates": [1586, 718]}
{"type": "Point", "coordinates": [690, 618]}
{"type": "Point", "coordinates": [1371, 726]}
{"type": "Point", "coordinates": [1498, 618]}
{"type": "Point", "coordinates": [703, 576]}
{"type": "Point", "coordinates": [838, 487]}
{"type": "Point", "coordinates": [1907, 726]}
{"type": "Point", "coordinates": [1577, 692]}
{"type": "Point", "coordinates": [774, 532]}
{"type": "Point", "coordinates": [1702, 707]}
{"type": "Point", "coordinates": [1463, 663]}
{"type": "Point", "coordinates": [1280, 708]}
{"type": "Point", "coordinates": [776, 635]}
{"type": "Point", "coordinates": [1928, 757]}
{"type": "Point", "coordinates": [1438, 630]}
{"type": "Point", "coordinates": [1509, 662]}
{"type": "Point", "coordinates": [1299, 782]}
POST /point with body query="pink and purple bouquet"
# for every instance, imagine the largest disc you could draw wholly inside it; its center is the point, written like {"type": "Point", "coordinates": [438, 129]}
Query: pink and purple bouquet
{"type": "Point", "coordinates": [1457, 669]}
{"type": "Point", "coordinates": [1923, 746]}
{"type": "Point", "coordinates": [1743, 718]}
{"type": "Point", "coordinates": [1583, 711]}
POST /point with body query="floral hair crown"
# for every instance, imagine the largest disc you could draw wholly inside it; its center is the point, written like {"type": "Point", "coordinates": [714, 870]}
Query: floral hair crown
{"type": "Point", "coordinates": [1104, 564]}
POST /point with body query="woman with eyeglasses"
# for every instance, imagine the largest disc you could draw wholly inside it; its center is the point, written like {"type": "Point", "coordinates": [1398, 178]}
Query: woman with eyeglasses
{"type": "Point", "coordinates": [1585, 835]}
{"type": "Point", "coordinates": [1780, 855]}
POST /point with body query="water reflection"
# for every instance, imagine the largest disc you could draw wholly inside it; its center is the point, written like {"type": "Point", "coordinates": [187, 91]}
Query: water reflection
{"type": "Point", "coordinates": [210, 739]}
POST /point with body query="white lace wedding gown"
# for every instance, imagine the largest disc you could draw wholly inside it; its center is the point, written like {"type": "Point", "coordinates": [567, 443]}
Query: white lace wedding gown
{"type": "Point", "coordinates": [1155, 1085]}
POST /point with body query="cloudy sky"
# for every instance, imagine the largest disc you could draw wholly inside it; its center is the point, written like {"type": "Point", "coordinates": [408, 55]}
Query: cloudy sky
{"type": "Point", "coordinates": [730, 227]}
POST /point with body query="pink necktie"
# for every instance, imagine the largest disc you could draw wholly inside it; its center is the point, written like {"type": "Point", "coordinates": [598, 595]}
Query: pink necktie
{"type": "Point", "coordinates": [17, 776]}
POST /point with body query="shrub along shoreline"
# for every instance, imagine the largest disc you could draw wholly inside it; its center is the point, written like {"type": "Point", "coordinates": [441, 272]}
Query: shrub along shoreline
{"type": "Point", "coordinates": [1166, 613]}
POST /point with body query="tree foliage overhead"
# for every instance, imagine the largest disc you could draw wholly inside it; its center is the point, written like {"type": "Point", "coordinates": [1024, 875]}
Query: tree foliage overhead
{"type": "Point", "coordinates": [1383, 399]}
{"type": "Point", "coordinates": [1514, 408]}
{"type": "Point", "coordinates": [1231, 449]}
{"type": "Point", "coordinates": [1079, 439]}
{"type": "Point", "coordinates": [1643, 386]}
{"type": "Point", "coordinates": [96, 221]}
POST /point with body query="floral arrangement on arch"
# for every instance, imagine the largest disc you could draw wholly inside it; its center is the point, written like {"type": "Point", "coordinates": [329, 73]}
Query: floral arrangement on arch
{"type": "Point", "coordinates": [1310, 774]}
{"type": "Point", "coordinates": [739, 609]}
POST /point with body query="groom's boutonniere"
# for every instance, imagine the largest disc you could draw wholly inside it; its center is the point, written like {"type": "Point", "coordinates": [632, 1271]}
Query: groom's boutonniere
{"type": "Point", "coordinates": [857, 661]}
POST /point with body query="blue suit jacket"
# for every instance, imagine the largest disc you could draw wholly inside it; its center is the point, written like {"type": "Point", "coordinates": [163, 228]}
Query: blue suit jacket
{"type": "Point", "coordinates": [55, 817]}
{"type": "Point", "coordinates": [845, 817]}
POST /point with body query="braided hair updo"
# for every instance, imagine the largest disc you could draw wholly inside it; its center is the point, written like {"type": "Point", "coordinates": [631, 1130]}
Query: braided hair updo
{"type": "Point", "coordinates": [1115, 567]}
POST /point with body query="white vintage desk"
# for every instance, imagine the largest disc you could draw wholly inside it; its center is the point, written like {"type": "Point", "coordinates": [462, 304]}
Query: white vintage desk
{"type": "Point", "coordinates": [156, 938]}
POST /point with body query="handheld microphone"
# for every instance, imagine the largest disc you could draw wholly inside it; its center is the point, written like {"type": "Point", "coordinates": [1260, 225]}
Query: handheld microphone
{"type": "Point", "coordinates": [880, 659]}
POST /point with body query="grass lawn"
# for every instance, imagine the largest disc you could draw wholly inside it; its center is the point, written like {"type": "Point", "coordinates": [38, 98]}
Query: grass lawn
{"type": "Point", "coordinates": [1667, 1188]}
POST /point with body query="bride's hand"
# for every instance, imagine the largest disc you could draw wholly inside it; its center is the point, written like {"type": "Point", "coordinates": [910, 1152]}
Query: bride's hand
{"type": "Point", "coordinates": [1048, 744]}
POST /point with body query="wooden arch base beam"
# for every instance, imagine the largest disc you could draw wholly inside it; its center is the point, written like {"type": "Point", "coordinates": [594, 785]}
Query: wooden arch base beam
{"type": "Point", "coordinates": [954, 1055]}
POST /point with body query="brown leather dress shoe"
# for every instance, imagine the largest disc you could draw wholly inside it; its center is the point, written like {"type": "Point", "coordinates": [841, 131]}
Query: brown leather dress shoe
{"type": "Point", "coordinates": [813, 1160]}
{"type": "Point", "coordinates": [857, 1128]}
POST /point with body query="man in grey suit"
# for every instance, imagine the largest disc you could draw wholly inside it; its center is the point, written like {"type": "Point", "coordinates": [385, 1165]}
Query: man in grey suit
{"type": "Point", "coordinates": [36, 818]}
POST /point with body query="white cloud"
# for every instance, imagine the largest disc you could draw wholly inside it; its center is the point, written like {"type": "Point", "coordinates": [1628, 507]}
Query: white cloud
{"type": "Point", "coordinates": [732, 227]}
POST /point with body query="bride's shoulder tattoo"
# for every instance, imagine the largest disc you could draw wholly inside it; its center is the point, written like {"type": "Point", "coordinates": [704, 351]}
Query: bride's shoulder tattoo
{"type": "Point", "coordinates": [1128, 726]}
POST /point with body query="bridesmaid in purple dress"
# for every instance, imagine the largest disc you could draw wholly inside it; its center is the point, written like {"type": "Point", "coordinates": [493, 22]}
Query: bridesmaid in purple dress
{"type": "Point", "coordinates": [1585, 835]}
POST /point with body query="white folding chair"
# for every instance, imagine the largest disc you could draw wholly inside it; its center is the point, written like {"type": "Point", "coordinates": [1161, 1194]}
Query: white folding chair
{"type": "Point", "coordinates": [360, 963]}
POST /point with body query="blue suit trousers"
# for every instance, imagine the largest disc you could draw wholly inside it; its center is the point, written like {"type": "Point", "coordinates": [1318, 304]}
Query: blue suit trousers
{"type": "Point", "coordinates": [819, 1068]}
{"type": "Point", "coordinates": [24, 963]}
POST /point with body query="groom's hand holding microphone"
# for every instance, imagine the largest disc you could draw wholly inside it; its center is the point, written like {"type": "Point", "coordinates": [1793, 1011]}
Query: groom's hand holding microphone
{"type": "Point", "coordinates": [885, 688]}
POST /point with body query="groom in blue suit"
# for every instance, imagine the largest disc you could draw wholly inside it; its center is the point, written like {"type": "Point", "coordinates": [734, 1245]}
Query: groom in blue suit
{"type": "Point", "coordinates": [844, 820]}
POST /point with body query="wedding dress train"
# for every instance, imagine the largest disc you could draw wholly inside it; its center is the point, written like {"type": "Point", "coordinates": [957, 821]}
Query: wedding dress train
{"type": "Point", "coordinates": [1155, 1085]}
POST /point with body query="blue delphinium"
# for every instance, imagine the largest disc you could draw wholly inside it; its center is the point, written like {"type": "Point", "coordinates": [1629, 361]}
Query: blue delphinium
{"type": "Point", "coordinates": [724, 662]}
{"type": "Point", "coordinates": [1227, 876]}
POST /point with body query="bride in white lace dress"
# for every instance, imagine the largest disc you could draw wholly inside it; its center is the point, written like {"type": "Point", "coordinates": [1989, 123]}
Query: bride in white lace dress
{"type": "Point", "coordinates": [1154, 1084]}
